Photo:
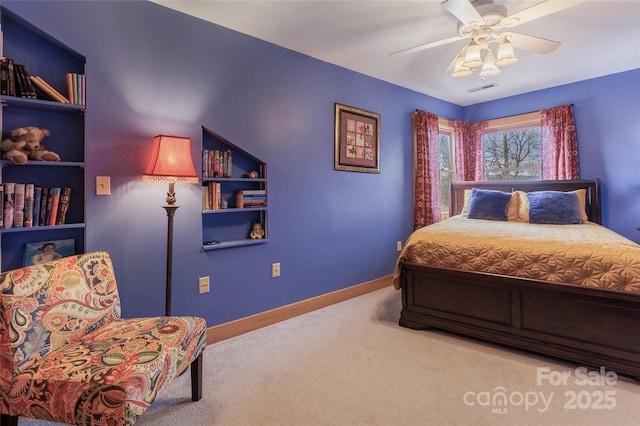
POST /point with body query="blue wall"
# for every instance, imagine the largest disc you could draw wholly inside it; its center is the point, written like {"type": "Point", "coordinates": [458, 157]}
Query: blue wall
{"type": "Point", "coordinates": [607, 114]}
{"type": "Point", "coordinates": [151, 70]}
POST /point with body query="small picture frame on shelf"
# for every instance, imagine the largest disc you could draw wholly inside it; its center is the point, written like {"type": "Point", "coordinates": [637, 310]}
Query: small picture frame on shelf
{"type": "Point", "coordinates": [45, 251]}
{"type": "Point", "coordinates": [357, 140]}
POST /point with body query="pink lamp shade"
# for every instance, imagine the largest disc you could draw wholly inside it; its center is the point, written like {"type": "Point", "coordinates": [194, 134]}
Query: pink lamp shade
{"type": "Point", "coordinates": [171, 161]}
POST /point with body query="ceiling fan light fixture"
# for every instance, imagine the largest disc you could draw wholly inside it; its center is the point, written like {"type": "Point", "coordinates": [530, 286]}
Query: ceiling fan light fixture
{"type": "Point", "coordinates": [506, 56]}
{"type": "Point", "coordinates": [472, 56]}
{"type": "Point", "coordinates": [489, 67]}
{"type": "Point", "coordinates": [459, 69]}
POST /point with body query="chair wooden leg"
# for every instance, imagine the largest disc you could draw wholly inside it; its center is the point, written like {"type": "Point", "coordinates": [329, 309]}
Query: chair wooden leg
{"type": "Point", "coordinates": [7, 420]}
{"type": "Point", "coordinates": [196, 379]}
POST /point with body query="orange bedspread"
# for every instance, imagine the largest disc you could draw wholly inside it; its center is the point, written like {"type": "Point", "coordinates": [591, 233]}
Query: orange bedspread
{"type": "Point", "coordinates": [585, 254]}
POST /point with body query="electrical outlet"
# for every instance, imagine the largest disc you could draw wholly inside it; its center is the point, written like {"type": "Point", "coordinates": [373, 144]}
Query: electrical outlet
{"type": "Point", "coordinates": [275, 270]}
{"type": "Point", "coordinates": [203, 285]}
{"type": "Point", "coordinates": [399, 245]}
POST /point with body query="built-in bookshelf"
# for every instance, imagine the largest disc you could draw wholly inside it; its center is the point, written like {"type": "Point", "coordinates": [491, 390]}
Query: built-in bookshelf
{"type": "Point", "coordinates": [234, 194]}
{"type": "Point", "coordinates": [58, 66]}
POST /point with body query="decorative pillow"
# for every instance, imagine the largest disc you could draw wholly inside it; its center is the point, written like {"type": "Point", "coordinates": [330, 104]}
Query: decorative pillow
{"type": "Point", "coordinates": [488, 204]}
{"type": "Point", "coordinates": [514, 204]}
{"type": "Point", "coordinates": [523, 206]}
{"type": "Point", "coordinates": [554, 207]}
{"type": "Point", "coordinates": [582, 204]}
{"type": "Point", "coordinates": [512, 209]}
{"type": "Point", "coordinates": [522, 213]}
{"type": "Point", "coordinates": [467, 200]}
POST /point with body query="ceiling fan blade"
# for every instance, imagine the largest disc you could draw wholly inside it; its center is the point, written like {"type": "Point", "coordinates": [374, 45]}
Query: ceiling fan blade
{"type": "Point", "coordinates": [451, 66]}
{"type": "Point", "coordinates": [538, 11]}
{"type": "Point", "coordinates": [426, 46]}
{"type": "Point", "coordinates": [531, 43]}
{"type": "Point", "coordinates": [464, 11]}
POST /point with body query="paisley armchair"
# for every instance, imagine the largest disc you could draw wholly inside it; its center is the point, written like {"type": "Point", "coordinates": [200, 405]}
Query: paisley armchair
{"type": "Point", "coordinates": [66, 355]}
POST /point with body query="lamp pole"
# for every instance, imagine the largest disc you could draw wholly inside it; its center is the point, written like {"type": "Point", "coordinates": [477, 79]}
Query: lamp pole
{"type": "Point", "coordinates": [170, 208]}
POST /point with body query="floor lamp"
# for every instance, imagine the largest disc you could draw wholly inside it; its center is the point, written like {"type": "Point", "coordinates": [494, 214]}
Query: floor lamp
{"type": "Point", "coordinates": [170, 162]}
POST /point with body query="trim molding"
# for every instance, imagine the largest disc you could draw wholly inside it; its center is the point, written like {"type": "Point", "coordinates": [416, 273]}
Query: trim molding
{"type": "Point", "coordinates": [244, 325]}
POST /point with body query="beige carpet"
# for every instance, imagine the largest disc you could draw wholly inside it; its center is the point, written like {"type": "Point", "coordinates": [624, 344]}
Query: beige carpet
{"type": "Point", "coordinates": [351, 364]}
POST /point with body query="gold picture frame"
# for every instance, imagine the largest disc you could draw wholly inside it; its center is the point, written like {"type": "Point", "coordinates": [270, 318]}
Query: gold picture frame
{"type": "Point", "coordinates": [357, 140]}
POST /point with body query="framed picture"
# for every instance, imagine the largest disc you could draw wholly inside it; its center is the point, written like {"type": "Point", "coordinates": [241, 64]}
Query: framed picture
{"type": "Point", "coordinates": [44, 251]}
{"type": "Point", "coordinates": [357, 140]}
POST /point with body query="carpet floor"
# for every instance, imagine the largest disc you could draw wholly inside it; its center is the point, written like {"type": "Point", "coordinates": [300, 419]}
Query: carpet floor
{"type": "Point", "coordinates": [351, 364]}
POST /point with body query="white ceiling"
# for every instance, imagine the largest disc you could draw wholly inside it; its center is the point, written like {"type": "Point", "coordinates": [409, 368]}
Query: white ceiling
{"type": "Point", "coordinates": [598, 38]}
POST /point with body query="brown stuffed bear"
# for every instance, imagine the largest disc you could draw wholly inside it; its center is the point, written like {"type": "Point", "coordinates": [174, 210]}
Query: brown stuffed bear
{"type": "Point", "coordinates": [25, 144]}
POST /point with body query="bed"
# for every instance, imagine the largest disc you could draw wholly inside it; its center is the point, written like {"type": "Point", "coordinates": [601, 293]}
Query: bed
{"type": "Point", "coordinates": [544, 308]}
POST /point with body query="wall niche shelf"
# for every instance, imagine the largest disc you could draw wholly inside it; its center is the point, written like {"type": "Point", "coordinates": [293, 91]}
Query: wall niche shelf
{"type": "Point", "coordinates": [228, 218]}
{"type": "Point", "coordinates": [50, 59]}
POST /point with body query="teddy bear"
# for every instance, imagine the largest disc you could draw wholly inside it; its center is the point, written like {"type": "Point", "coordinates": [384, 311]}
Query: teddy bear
{"type": "Point", "coordinates": [25, 144]}
{"type": "Point", "coordinates": [257, 232]}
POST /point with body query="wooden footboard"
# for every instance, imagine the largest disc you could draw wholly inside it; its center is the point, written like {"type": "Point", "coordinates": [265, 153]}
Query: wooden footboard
{"type": "Point", "coordinates": [593, 327]}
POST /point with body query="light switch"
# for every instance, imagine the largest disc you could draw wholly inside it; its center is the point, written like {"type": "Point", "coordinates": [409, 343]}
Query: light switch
{"type": "Point", "coordinates": [103, 185]}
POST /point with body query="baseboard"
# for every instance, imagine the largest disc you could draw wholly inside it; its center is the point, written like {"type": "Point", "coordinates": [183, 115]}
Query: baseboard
{"type": "Point", "coordinates": [244, 325]}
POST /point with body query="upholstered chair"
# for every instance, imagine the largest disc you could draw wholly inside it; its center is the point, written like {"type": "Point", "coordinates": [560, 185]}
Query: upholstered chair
{"type": "Point", "coordinates": [66, 355]}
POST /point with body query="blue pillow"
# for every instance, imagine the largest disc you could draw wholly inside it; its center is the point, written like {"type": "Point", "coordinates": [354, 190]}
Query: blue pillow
{"type": "Point", "coordinates": [488, 204]}
{"type": "Point", "coordinates": [554, 207]}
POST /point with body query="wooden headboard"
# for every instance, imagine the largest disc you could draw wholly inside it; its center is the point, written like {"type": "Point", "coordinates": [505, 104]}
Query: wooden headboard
{"type": "Point", "coordinates": [593, 206]}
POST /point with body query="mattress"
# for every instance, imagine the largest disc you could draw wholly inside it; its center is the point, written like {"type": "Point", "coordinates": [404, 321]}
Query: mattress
{"type": "Point", "coordinates": [585, 254]}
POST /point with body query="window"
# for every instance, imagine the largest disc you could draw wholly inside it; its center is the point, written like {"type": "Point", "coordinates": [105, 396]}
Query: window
{"type": "Point", "coordinates": [512, 148]}
{"type": "Point", "coordinates": [512, 151]}
{"type": "Point", "coordinates": [447, 163]}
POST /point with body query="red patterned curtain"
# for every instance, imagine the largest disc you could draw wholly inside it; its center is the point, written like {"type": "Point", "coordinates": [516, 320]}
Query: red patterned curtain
{"type": "Point", "coordinates": [426, 208]}
{"type": "Point", "coordinates": [468, 150]}
{"type": "Point", "coordinates": [559, 144]}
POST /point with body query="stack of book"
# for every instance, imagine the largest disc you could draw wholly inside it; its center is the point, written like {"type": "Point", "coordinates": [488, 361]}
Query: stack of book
{"type": "Point", "coordinates": [216, 163]}
{"type": "Point", "coordinates": [26, 205]}
{"type": "Point", "coordinates": [76, 84]}
{"type": "Point", "coordinates": [14, 80]}
{"type": "Point", "coordinates": [247, 198]}
{"type": "Point", "coordinates": [211, 196]}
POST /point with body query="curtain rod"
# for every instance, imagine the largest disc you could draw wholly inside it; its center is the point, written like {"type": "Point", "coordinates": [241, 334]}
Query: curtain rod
{"type": "Point", "coordinates": [506, 116]}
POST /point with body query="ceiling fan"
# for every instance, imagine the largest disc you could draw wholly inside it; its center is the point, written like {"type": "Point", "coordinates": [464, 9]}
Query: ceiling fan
{"type": "Point", "coordinates": [483, 21]}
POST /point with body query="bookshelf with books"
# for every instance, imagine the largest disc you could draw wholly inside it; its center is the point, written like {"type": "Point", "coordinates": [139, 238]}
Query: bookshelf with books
{"type": "Point", "coordinates": [35, 183]}
{"type": "Point", "coordinates": [234, 194]}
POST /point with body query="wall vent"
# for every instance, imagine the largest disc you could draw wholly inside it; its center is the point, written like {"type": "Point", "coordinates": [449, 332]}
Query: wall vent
{"type": "Point", "coordinates": [486, 86]}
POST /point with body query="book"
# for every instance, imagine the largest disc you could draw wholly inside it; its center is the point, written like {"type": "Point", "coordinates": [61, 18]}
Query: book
{"type": "Point", "coordinates": [250, 192]}
{"type": "Point", "coordinates": [205, 197]}
{"type": "Point", "coordinates": [4, 77]}
{"type": "Point", "coordinates": [63, 205]}
{"type": "Point", "coordinates": [37, 200]}
{"type": "Point", "coordinates": [44, 203]}
{"type": "Point", "coordinates": [1, 209]}
{"type": "Point", "coordinates": [214, 194]}
{"type": "Point", "coordinates": [70, 87]}
{"type": "Point", "coordinates": [8, 77]}
{"type": "Point", "coordinates": [83, 85]}
{"type": "Point", "coordinates": [9, 199]}
{"type": "Point", "coordinates": [18, 206]}
{"type": "Point", "coordinates": [53, 211]}
{"type": "Point", "coordinates": [228, 162]}
{"type": "Point", "coordinates": [28, 204]}
{"type": "Point", "coordinates": [24, 87]}
{"type": "Point", "coordinates": [30, 88]}
{"type": "Point", "coordinates": [47, 213]}
{"type": "Point", "coordinates": [48, 90]}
